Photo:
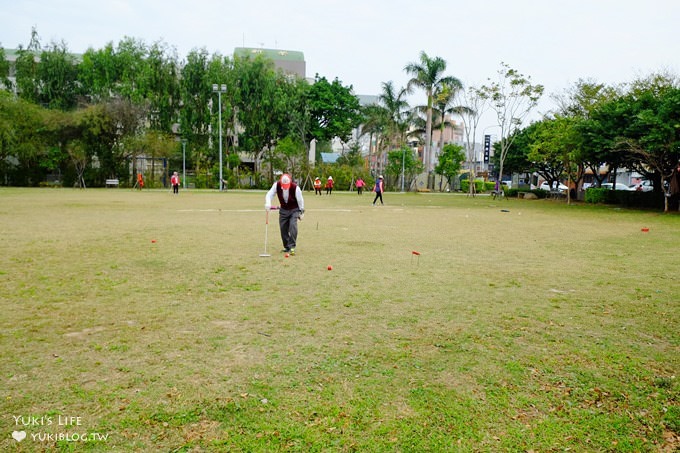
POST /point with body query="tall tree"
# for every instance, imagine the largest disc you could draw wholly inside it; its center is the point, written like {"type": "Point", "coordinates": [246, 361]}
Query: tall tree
{"type": "Point", "coordinates": [131, 69]}
{"type": "Point", "coordinates": [450, 162]}
{"type": "Point", "coordinates": [334, 110]}
{"type": "Point", "coordinates": [375, 119]}
{"type": "Point", "coordinates": [579, 102]}
{"type": "Point", "coordinates": [299, 116]}
{"type": "Point", "coordinates": [444, 104]}
{"type": "Point", "coordinates": [428, 74]}
{"type": "Point", "coordinates": [196, 93]}
{"type": "Point", "coordinates": [58, 78]}
{"type": "Point", "coordinates": [160, 85]}
{"type": "Point", "coordinates": [512, 96]}
{"type": "Point", "coordinates": [554, 150]}
{"type": "Point", "coordinates": [26, 66]}
{"type": "Point", "coordinates": [5, 82]}
{"type": "Point", "coordinates": [403, 160]}
{"type": "Point", "coordinates": [397, 114]}
{"type": "Point", "coordinates": [21, 137]}
{"type": "Point", "coordinates": [474, 104]}
{"type": "Point", "coordinates": [652, 134]}
{"type": "Point", "coordinates": [260, 106]}
{"type": "Point", "coordinates": [388, 120]}
{"type": "Point", "coordinates": [98, 73]}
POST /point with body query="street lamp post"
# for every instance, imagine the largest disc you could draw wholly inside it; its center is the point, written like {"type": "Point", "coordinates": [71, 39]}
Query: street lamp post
{"type": "Point", "coordinates": [184, 163]}
{"type": "Point", "coordinates": [403, 151]}
{"type": "Point", "coordinates": [219, 89]}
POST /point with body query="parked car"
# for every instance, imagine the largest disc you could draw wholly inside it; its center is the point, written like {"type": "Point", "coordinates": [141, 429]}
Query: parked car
{"type": "Point", "coordinates": [545, 186]}
{"type": "Point", "coordinates": [610, 186]}
{"type": "Point", "coordinates": [507, 184]}
{"type": "Point", "coordinates": [643, 186]}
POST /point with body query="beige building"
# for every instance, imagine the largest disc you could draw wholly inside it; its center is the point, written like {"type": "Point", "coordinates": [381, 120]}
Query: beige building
{"type": "Point", "coordinates": [453, 133]}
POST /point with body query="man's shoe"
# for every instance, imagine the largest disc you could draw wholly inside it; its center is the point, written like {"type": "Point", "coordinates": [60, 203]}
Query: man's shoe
{"type": "Point", "coordinates": [286, 250]}
{"type": "Point", "coordinates": [292, 252]}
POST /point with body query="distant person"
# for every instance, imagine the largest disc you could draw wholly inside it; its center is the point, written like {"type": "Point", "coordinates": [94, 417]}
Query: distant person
{"type": "Point", "coordinates": [378, 189]}
{"type": "Point", "coordinates": [292, 209]}
{"type": "Point", "coordinates": [174, 180]}
{"type": "Point", "coordinates": [674, 188]}
{"type": "Point", "coordinates": [140, 181]}
{"type": "Point", "coordinates": [497, 192]}
{"type": "Point", "coordinates": [317, 186]}
{"type": "Point", "coordinates": [329, 185]}
{"type": "Point", "coordinates": [360, 185]}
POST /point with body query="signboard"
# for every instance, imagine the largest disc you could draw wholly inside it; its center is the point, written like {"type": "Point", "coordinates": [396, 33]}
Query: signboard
{"type": "Point", "coordinates": [487, 148]}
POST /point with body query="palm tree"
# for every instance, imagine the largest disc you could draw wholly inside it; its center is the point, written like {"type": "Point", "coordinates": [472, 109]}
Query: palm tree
{"type": "Point", "coordinates": [375, 119]}
{"type": "Point", "coordinates": [388, 119]}
{"type": "Point", "coordinates": [444, 98]}
{"type": "Point", "coordinates": [397, 113]}
{"type": "Point", "coordinates": [428, 74]}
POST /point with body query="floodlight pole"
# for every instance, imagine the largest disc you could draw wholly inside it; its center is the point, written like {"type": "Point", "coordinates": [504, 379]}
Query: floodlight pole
{"type": "Point", "coordinates": [184, 163]}
{"type": "Point", "coordinates": [219, 89]}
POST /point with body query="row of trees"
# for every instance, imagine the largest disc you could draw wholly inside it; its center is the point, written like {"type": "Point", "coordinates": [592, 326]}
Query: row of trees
{"type": "Point", "coordinates": [598, 129]}
{"type": "Point", "coordinates": [511, 96]}
{"type": "Point", "coordinates": [91, 117]}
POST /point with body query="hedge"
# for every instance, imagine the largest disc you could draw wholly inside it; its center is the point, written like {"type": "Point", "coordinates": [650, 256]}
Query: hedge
{"type": "Point", "coordinates": [480, 186]}
{"type": "Point", "coordinates": [626, 198]}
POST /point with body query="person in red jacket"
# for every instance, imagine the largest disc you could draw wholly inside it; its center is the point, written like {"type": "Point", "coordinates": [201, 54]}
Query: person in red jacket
{"type": "Point", "coordinates": [360, 185]}
{"type": "Point", "coordinates": [317, 186]}
{"type": "Point", "coordinates": [329, 185]}
{"type": "Point", "coordinates": [292, 209]}
{"type": "Point", "coordinates": [140, 181]}
{"type": "Point", "coordinates": [174, 180]}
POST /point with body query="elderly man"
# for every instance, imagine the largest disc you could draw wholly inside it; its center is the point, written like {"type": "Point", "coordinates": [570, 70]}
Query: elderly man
{"type": "Point", "coordinates": [292, 208]}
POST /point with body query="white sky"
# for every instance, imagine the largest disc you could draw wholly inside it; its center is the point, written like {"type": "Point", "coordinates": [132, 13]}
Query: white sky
{"type": "Point", "coordinates": [364, 43]}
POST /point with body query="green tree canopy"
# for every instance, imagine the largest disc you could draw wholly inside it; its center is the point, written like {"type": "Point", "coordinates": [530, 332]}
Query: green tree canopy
{"type": "Point", "coordinates": [450, 162]}
{"type": "Point", "coordinates": [403, 159]}
{"type": "Point", "coordinates": [334, 110]}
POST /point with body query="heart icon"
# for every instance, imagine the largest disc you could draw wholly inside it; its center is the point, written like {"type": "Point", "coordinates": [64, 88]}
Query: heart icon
{"type": "Point", "coordinates": [19, 435]}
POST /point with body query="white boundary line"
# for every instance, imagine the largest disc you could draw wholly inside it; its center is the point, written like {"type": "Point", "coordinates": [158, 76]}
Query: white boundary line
{"type": "Point", "coordinates": [259, 210]}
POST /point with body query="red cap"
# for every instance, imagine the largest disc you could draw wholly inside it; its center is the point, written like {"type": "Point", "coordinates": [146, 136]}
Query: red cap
{"type": "Point", "coordinates": [285, 181]}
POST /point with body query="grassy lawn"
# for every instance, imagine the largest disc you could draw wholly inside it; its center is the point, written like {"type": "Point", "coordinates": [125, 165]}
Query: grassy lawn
{"type": "Point", "coordinates": [142, 321]}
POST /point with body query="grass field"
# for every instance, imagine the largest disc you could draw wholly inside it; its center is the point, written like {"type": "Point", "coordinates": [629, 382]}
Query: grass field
{"type": "Point", "coordinates": [142, 321]}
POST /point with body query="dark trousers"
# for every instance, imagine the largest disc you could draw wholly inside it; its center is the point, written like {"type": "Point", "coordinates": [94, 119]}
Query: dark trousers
{"type": "Point", "coordinates": [378, 195]}
{"type": "Point", "coordinates": [288, 224]}
{"type": "Point", "coordinates": [175, 188]}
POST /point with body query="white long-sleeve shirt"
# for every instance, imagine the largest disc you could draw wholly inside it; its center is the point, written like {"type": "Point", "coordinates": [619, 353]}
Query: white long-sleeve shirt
{"type": "Point", "coordinates": [286, 193]}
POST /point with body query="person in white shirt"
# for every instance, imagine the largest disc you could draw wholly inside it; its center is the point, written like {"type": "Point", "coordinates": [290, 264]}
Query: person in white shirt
{"type": "Point", "coordinates": [292, 209]}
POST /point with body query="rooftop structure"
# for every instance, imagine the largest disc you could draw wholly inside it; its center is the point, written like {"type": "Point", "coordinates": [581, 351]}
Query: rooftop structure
{"type": "Point", "coordinates": [289, 61]}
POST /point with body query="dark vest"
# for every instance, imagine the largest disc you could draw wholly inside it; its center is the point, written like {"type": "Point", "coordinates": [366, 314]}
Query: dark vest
{"type": "Point", "coordinates": [292, 201]}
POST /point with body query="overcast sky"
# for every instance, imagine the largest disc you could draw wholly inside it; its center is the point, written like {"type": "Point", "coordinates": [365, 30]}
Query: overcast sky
{"type": "Point", "coordinates": [364, 43]}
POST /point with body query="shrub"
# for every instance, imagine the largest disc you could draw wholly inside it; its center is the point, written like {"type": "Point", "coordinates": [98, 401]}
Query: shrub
{"type": "Point", "coordinates": [624, 198]}
{"type": "Point", "coordinates": [596, 195]}
{"type": "Point", "coordinates": [480, 186]}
